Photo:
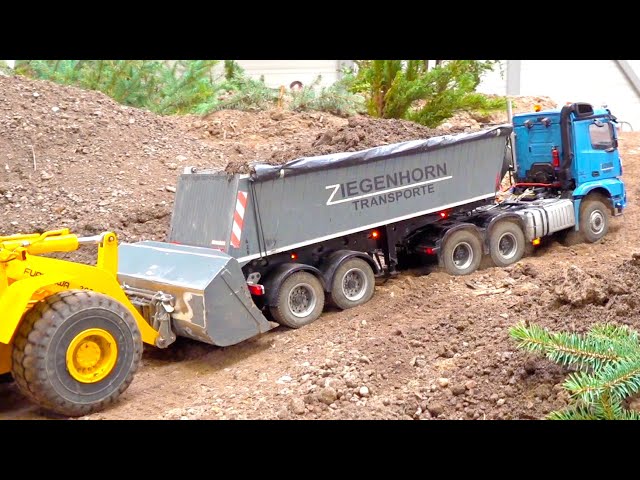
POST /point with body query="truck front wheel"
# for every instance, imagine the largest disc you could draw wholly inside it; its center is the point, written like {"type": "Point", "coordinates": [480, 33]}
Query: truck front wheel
{"type": "Point", "coordinates": [353, 284]}
{"type": "Point", "coordinates": [506, 243]}
{"type": "Point", "coordinates": [76, 352]}
{"type": "Point", "coordinates": [594, 219]}
{"type": "Point", "coordinates": [461, 253]}
{"type": "Point", "coordinates": [300, 300]}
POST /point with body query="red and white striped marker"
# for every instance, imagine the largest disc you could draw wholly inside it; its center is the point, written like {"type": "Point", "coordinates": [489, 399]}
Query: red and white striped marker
{"type": "Point", "coordinates": [238, 219]}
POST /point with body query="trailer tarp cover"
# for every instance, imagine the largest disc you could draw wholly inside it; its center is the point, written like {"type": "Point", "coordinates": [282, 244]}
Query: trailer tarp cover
{"type": "Point", "coordinates": [263, 171]}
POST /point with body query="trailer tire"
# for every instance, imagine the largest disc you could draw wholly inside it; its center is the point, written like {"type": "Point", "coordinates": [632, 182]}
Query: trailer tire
{"type": "Point", "coordinates": [462, 253]}
{"type": "Point", "coordinates": [76, 352]}
{"type": "Point", "coordinates": [506, 243]}
{"type": "Point", "coordinates": [594, 219]}
{"type": "Point", "coordinates": [300, 300]}
{"type": "Point", "coordinates": [361, 284]}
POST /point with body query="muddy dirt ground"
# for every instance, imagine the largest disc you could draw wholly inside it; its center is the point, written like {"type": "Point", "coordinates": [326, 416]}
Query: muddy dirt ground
{"type": "Point", "coordinates": [426, 346]}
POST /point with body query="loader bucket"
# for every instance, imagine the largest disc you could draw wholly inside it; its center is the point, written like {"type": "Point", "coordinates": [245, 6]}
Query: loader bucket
{"type": "Point", "coordinates": [212, 301]}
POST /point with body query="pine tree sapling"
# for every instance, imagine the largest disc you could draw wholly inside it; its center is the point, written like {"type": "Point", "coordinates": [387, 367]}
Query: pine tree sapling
{"type": "Point", "coordinates": [156, 85]}
{"type": "Point", "coordinates": [335, 99]}
{"type": "Point", "coordinates": [607, 359]}
{"type": "Point", "coordinates": [409, 89]}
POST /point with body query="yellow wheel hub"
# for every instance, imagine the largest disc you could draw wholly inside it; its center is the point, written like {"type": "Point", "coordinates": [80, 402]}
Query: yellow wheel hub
{"type": "Point", "coordinates": [91, 355]}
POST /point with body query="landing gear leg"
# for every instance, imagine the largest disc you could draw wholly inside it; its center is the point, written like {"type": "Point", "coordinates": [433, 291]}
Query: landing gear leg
{"type": "Point", "coordinates": [390, 253]}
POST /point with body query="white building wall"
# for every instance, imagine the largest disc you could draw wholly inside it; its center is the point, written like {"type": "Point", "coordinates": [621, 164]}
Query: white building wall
{"type": "Point", "coordinates": [283, 72]}
{"type": "Point", "coordinates": [594, 81]}
{"type": "Point", "coordinates": [495, 82]}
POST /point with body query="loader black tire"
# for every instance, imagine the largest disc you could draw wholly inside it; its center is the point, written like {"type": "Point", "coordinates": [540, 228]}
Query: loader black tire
{"type": "Point", "coordinates": [300, 300]}
{"type": "Point", "coordinates": [360, 284]}
{"type": "Point", "coordinates": [461, 253]}
{"type": "Point", "coordinates": [594, 219]}
{"type": "Point", "coordinates": [48, 363]}
{"type": "Point", "coordinates": [506, 243]}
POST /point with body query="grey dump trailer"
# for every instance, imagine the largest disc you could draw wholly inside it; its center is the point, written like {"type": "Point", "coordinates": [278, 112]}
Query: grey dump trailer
{"type": "Point", "coordinates": [283, 241]}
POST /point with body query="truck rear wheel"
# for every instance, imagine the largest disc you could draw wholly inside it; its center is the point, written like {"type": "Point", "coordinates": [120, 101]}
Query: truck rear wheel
{"type": "Point", "coordinates": [300, 300]}
{"type": "Point", "coordinates": [594, 219]}
{"type": "Point", "coordinates": [506, 243]}
{"type": "Point", "coordinates": [353, 284]}
{"type": "Point", "coordinates": [462, 253]}
{"type": "Point", "coordinates": [76, 352]}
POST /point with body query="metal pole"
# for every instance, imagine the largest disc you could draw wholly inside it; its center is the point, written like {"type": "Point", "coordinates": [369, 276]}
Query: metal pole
{"type": "Point", "coordinates": [512, 137]}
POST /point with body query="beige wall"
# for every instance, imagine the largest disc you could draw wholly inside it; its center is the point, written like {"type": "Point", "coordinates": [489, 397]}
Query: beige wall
{"type": "Point", "coordinates": [594, 81]}
{"type": "Point", "coordinates": [283, 72]}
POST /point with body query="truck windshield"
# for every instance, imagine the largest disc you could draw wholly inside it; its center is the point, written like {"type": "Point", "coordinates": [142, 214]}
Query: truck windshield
{"type": "Point", "coordinates": [601, 136]}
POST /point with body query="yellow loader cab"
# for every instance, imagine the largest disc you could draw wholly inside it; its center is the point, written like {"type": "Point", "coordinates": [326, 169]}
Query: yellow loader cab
{"type": "Point", "coordinates": [69, 335]}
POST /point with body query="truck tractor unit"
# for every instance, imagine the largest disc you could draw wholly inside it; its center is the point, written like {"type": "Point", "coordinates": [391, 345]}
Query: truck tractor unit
{"type": "Point", "coordinates": [283, 241]}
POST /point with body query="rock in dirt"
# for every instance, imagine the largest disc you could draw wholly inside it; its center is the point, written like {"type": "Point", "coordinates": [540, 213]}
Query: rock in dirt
{"type": "Point", "coordinates": [458, 389]}
{"type": "Point", "coordinates": [530, 366]}
{"type": "Point", "coordinates": [435, 408]}
{"type": "Point", "coordinates": [543, 391]}
{"type": "Point", "coordinates": [335, 383]}
{"type": "Point", "coordinates": [578, 287]}
{"type": "Point", "coordinates": [443, 382]}
{"type": "Point", "coordinates": [327, 395]}
{"type": "Point", "coordinates": [364, 391]}
{"type": "Point", "coordinates": [284, 379]}
{"type": "Point", "coordinates": [297, 406]}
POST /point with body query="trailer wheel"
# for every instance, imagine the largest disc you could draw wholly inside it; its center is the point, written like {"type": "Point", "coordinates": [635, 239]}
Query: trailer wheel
{"type": "Point", "coordinates": [506, 243]}
{"type": "Point", "coordinates": [76, 352]}
{"type": "Point", "coordinates": [594, 219]}
{"type": "Point", "coordinates": [462, 253]}
{"type": "Point", "coordinates": [300, 300]}
{"type": "Point", "coordinates": [353, 284]}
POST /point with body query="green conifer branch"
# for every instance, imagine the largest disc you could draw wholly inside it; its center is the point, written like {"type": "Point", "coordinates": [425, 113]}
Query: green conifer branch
{"type": "Point", "coordinates": [563, 348]}
{"type": "Point", "coordinates": [611, 355]}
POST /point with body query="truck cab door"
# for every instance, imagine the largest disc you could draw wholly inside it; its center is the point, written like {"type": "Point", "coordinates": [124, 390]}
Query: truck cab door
{"type": "Point", "coordinates": [596, 150]}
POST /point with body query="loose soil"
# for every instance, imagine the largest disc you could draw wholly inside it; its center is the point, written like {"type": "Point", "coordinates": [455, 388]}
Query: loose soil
{"type": "Point", "coordinates": [426, 346]}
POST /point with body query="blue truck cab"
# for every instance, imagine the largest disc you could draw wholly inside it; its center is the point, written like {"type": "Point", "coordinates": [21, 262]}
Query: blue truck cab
{"type": "Point", "coordinates": [573, 150]}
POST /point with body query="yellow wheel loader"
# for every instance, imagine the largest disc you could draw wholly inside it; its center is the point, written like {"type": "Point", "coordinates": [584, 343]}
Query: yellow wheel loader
{"type": "Point", "coordinates": [68, 334]}
{"type": "Point", "coordinates": [71, 334]}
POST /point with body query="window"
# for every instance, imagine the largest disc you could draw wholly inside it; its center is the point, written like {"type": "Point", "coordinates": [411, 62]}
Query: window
{"type": "Point", "coordinates": [601, 135]}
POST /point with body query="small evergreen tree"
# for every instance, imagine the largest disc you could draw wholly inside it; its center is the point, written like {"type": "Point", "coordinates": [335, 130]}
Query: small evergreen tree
{"type": "Point", "coordinates": [336, 99]}
{"type": "Point", "coordinates": [239, 91]}
{"type": "Point", "coordinates": [152, 84]}
{"type": "Point", "coordinates": [409, 89]}
{"type": "Point", "coordinates": [607, 358]}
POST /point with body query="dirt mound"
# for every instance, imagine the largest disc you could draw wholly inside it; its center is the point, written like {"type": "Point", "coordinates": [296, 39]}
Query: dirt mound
{"type": "Point", "coordinates": [75, 158]}
{"type": "Point", "coordinates": [356, 133]}
{"type": "Point", "coordinates": [361, 133]}
{"type": "Point", "coordinates": [241, 138]}
{"type": "Point", "coordinates": [475, 120]}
